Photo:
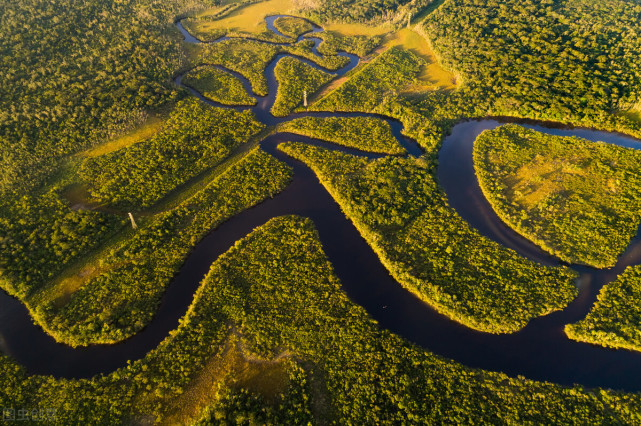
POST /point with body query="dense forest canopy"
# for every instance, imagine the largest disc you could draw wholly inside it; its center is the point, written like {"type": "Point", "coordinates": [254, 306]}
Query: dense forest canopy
{"type": "Point", "coordinates": [568, 60]}
{"type": "Point", "coordinates": [615, 319]}
{"type": "Point", "coordinates": [77, 71]}
{"type": "Point", "coordinates": [364, 11]}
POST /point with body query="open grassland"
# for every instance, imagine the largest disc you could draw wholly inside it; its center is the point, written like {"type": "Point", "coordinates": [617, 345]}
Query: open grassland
{"type": "Point", "coordinates": [577, 199]}
{"type": "Point", "coordinates": [244, 20]}
{"type": "Point", "coordinates": [433, 75]}
{"type": "Point", "coordinates": [364, 133]}
{"type": "Point", "coordinates": [249, 17]}
{"type": "Point", "coordinates": [615, 318]}
{"type": "Point", "coordinates": [398, 208]}
{"type": "Point", "coordinates": [285, 345]}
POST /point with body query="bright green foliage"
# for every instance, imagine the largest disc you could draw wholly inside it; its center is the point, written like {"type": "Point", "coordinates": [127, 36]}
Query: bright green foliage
{"type": "Point", "coordinates": [615, 319]}
{"type": "Point", "coordinates": [195, 137]}
{"type": "Point", "coordinates": [292, 27]}
{"type": "Point", "coordinates": [397, 207]}
{"type": "Point", "coordinates": [391, 71]}
{"type": "Point", "coordinates": [250, 58]}
{"type": "Point", "coordinates": [40, 234]}
{"type": "Point", "coordinates": [569, 60]}
{"type": "Point", "coordinates": [120, 300]}
{"type": "Point", "coordinates": [75, 72]}
{"type": "Point", "coordinates": [360, 45]}
{"type": "Point", "coordinates": [364, 133]}
{"type": "Point", "coordinates": [219, 86]}
{"type": "Point", "coordinates": [294, 78]}
{"type": "Point", "coordinates": [277, 287]}
{"type": "Point", "coordinates": [577, 199]}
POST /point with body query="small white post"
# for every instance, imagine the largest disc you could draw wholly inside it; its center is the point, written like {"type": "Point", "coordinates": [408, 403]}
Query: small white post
{"type": "Point", "coordinates": [133, 222]}
{"type": "Point", "coordinates": [305, 98]}
{"type": "Point", "coordinates": [409, 19]}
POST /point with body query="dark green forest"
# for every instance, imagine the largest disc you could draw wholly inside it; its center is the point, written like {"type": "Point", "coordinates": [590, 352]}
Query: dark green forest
{"type": "Point", "coordinates": [364, 133]}
{"type": "Point", "coordinates": [284, 345]}
{"type": "Point", "coordinates": [561, 60]}
{"type": "Point", "coordinates": [372, 12]}
{"type": "Point", "coordinates": [119, 297]}
{"type": "Point", "coordinates": [77, 72]}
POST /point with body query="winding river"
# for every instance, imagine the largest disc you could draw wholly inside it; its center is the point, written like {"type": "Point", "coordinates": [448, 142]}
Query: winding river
{"type": "Point", "coordinates": [540, 351]}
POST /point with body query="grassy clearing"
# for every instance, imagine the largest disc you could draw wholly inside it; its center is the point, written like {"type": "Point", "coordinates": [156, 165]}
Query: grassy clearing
{"type": "Point", "coordinates": [634, 114]}
{"type": "Point", "coordinates": [247, 19]}
{"type": "Point", "coordinates": [148, 129]}
{"type": "Point", "coordinates": [576, 199]}
{"type": "Point", "coordinates": [433, 75]}
{"type": "Point", "coordinates": [233, 368]}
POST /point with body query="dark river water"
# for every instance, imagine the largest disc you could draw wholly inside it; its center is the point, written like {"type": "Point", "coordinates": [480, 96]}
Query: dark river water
{"type": "Point", "coordinates": [540, 351]}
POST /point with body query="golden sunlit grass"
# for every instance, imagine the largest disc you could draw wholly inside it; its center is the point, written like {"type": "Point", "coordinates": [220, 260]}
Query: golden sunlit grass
{"type": "Point", "coordinates": [541, 179]}
{"type": "Point", "coordinates": [634, 113]}
{"type": "Point", "coordinates": [433, 74]}
{"type": "Point", "coordinates": [357, 29]}
{"type": "Point", "coordinates": [139, 134]}
{"type": "Point", "coordinates": [574, 198]}
{"type": "Point", "coordinates": [77, 275]}
{"type": "Point", "coordinates": [234, 368]}
{"type": "Point", "coordinates": [246, 19]}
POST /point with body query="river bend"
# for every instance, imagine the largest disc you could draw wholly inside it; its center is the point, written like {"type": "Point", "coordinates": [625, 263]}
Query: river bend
{"type": "Point", "coordinates": [540, 351]}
